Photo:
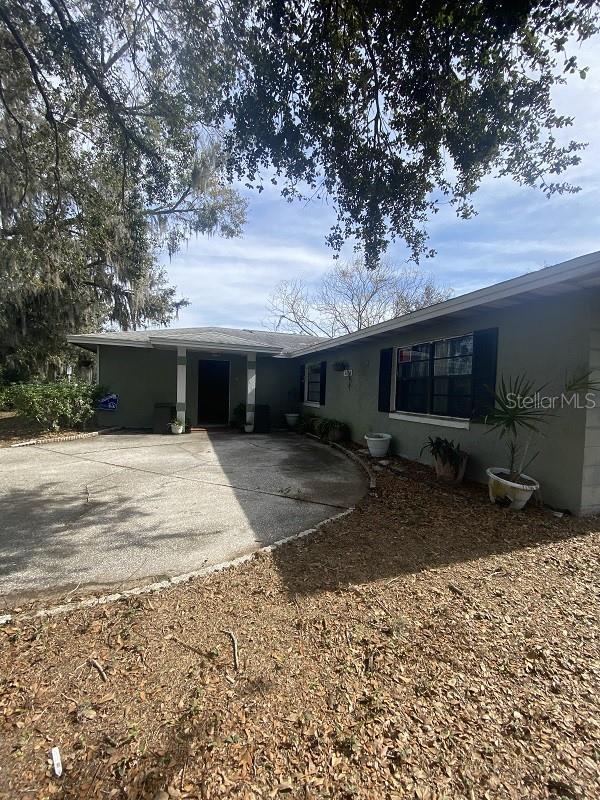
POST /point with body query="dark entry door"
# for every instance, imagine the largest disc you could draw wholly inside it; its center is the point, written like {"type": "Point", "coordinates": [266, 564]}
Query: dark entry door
{"type": "Point", "coordinates": [213, 392]}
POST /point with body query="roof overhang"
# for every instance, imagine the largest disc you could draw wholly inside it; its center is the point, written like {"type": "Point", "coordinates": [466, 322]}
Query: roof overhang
{"type": "Point", "coordinates": [574, 275]}
{"type": "Point", "coordinates": [95, 339]}
{"type": "Point", "coordinates": [163, 343]}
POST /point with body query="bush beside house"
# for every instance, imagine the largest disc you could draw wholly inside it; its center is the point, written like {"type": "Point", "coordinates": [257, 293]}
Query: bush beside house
{"type": "Point", "coordinates": [55, 405]}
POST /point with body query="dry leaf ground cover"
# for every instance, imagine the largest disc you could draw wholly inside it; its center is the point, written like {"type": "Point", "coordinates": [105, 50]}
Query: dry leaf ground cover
{"type": "Point", "coordinates": [14, 428]}
{"type": "Point", "coordinates": [426, 646]}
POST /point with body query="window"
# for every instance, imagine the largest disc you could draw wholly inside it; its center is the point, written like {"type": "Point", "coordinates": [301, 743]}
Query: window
{"type": "Point", "coordinates": [314, 383]}
{"type": "Point", "coordinates": [436, 377]}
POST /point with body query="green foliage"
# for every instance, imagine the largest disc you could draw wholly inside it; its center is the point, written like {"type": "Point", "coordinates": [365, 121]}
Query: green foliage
{"type": "Point", "coordinates": [445, 451]}
{"type": "Point", "coordinates": [513, 407]}
{"type": "Point", "coordinates": [58, 404]}
{"type": "Point", "coordinates": [238, 416]}
{"type": "Point", "coordinates": [331, 429]}
{"type": "Point", "coordinates": [515, 411]}
{"type": "Point", "coordinates": [395, 108]}
{"type": "Point", "coordinates": [108, 153]}
{"type": "Point", "coordinates": [306, 423]}
{"type": "Point", "coordinates": [6, 402]}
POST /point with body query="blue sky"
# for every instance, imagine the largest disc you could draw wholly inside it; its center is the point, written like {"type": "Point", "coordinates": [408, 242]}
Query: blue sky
{"type": "Point", "coordinates": [516, 230]}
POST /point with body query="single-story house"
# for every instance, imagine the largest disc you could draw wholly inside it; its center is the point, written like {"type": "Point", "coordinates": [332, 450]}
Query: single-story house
{"type": "Point", "coordinates": [423, 374]}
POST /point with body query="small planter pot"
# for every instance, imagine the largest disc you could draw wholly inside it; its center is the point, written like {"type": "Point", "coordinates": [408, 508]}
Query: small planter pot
{"type": "Point", "coordinates": [445, 472]}
{"type": "Point", "coordinates": [177, 428]}
{"type": "Point", "coordinates": [515, 495]}
{"type": "Point", "coordinates": [378, 444]}
{"type": "Point", "coordinates": [292, 420]}
{"type": "Point", "coordinates": [249, 428]}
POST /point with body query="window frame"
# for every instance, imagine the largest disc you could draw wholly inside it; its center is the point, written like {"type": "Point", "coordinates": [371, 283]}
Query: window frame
{"type": "Point", "coordinates": [428, 416]}
{"type": "Point", "coordinates": [306, 402]}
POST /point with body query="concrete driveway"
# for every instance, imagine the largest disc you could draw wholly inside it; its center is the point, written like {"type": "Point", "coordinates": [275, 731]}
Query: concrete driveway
{"type": "Point", "coordinates": [124, 508]}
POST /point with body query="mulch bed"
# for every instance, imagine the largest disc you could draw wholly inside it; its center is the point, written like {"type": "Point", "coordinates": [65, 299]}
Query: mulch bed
{"type": "Point", "coordinates": [14, 429]}
{"type": "Point", "coordinates": [427, 646]}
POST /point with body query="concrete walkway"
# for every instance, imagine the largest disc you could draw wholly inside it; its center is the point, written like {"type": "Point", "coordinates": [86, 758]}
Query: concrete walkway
{"type": "Point", "coordinates": [125, 508]}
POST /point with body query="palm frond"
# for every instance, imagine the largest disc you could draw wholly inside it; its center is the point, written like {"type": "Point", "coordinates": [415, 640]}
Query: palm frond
{"type": "Point", "coordinates": [515, 407]}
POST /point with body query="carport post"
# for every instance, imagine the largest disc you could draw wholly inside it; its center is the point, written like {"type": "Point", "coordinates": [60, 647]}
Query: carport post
{"type": "Point", "coordinates": [181, 375]}
{"type": "Point", "coordinates": [250, 391]}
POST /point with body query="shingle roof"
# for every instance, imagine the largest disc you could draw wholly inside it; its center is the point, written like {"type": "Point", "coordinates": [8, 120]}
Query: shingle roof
{"type": "Point", "coordinates": [234, 338]}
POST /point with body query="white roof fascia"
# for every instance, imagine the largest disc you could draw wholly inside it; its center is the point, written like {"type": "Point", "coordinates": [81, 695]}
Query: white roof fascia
{"type": "Point", "coordinates": [169, 343]}
{"type": "Point", "coordinates": [96, 338]}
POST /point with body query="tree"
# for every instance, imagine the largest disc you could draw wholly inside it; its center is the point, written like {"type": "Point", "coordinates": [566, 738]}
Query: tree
{"type": "Point", "coordinates": [108, 153]}
{"type": "Point", "coordinates": [392, 108]}
{"type": "Point", "coordinates": [351, 297]}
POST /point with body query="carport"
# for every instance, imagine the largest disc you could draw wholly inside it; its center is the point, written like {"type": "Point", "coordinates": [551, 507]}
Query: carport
{"type": "Point", "coordinates": [205, 374]}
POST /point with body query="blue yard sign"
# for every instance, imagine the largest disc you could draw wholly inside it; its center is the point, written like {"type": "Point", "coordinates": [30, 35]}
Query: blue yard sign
{"type": "Point", "coordinates": [109, 403]}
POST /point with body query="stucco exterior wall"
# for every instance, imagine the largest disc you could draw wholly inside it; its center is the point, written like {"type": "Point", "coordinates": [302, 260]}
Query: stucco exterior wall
{"type": "Point", "coordinates": [545, 338]}
{"type": "Point", "coordinates": [277, 385]}
{"type": "Point", "coordinates": [141, 377]}
{"type": "Point", "coordinates": [590, 490]}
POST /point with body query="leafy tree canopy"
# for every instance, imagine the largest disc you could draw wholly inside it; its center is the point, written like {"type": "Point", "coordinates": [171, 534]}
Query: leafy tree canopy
{"type": "Point", "coordinates": [392, 107]}
{"type": "Point", "coordinates": [122, 122]}
{"type": "Point", "coordinates": [108, 152]}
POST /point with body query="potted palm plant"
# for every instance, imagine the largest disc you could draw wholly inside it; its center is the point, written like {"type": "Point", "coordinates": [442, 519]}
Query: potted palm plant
{"type": "Point", "coordinates": [449, 461]}
{"type": "Point", "coordinates": [514, 415]}
{"type": "Point", "coordinates": [177, 426]}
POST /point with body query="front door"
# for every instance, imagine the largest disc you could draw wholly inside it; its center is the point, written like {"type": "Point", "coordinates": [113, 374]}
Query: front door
{"type": "Point", "coordinates": [213, 392]}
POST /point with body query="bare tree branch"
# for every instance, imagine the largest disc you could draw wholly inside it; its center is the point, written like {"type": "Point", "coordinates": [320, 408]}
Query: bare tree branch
{"type": "Point", "coordinates": [351, 297]}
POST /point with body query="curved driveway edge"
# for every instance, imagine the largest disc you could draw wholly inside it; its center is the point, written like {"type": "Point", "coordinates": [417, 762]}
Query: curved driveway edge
{"type": "Point", "coordinates": [176, 580]}
{"type": "Point", "coordinates": [124, 509]}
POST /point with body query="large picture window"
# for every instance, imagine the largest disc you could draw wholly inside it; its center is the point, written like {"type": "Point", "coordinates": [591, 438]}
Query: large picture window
{"type": "Point", "coordinates": [436, 377]}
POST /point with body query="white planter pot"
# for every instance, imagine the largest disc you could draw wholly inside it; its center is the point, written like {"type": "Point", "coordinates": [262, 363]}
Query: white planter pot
{"type": "Point", "coordinates": [249, 428]}
{"type": "Point", "coordinates": [177, 429]}
{"type": "Point", "coordinates": [515, 494]}
{"type": "Point", "coordinates": [292, 419]}
{"type": "Point", "coordinates": [378, 444]}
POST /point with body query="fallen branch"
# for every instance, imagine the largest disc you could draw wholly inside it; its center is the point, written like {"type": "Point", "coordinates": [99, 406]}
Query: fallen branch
{"type": "Point", "coordinates": [93, 663]}
{"type": "Point", "coordinates": [234, 645]}
{"type": "Point", "coordinates": [186, 645]}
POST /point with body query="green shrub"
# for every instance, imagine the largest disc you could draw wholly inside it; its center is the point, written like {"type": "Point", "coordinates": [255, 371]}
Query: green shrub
{"type": "Point", "coordinates": [331, 429]}
{"type": "Point", "coordinates": [238, 416]}
{"type": "Point", "coordinates": [57, 404]}
{"type": "Point", "coordinates": [306, 422]}
{"type": "Point", "coordinates": [6, 402]}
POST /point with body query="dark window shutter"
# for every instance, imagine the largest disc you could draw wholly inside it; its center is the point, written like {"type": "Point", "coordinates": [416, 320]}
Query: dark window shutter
{"type": "Point", "coordinates": [302, 379]}
{"type": "Point", "coordinates": [323, 383]}
{"type": "Point", "coordinates": [485, 353]}
{"type": "Point", "coordinates": [385, 378]}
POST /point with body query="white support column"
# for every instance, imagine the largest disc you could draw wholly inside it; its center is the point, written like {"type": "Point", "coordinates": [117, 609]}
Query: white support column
{"type": "Point", "coordinates": [250, 391]}
{"type": "Point", "coordinates": [181, 380]}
